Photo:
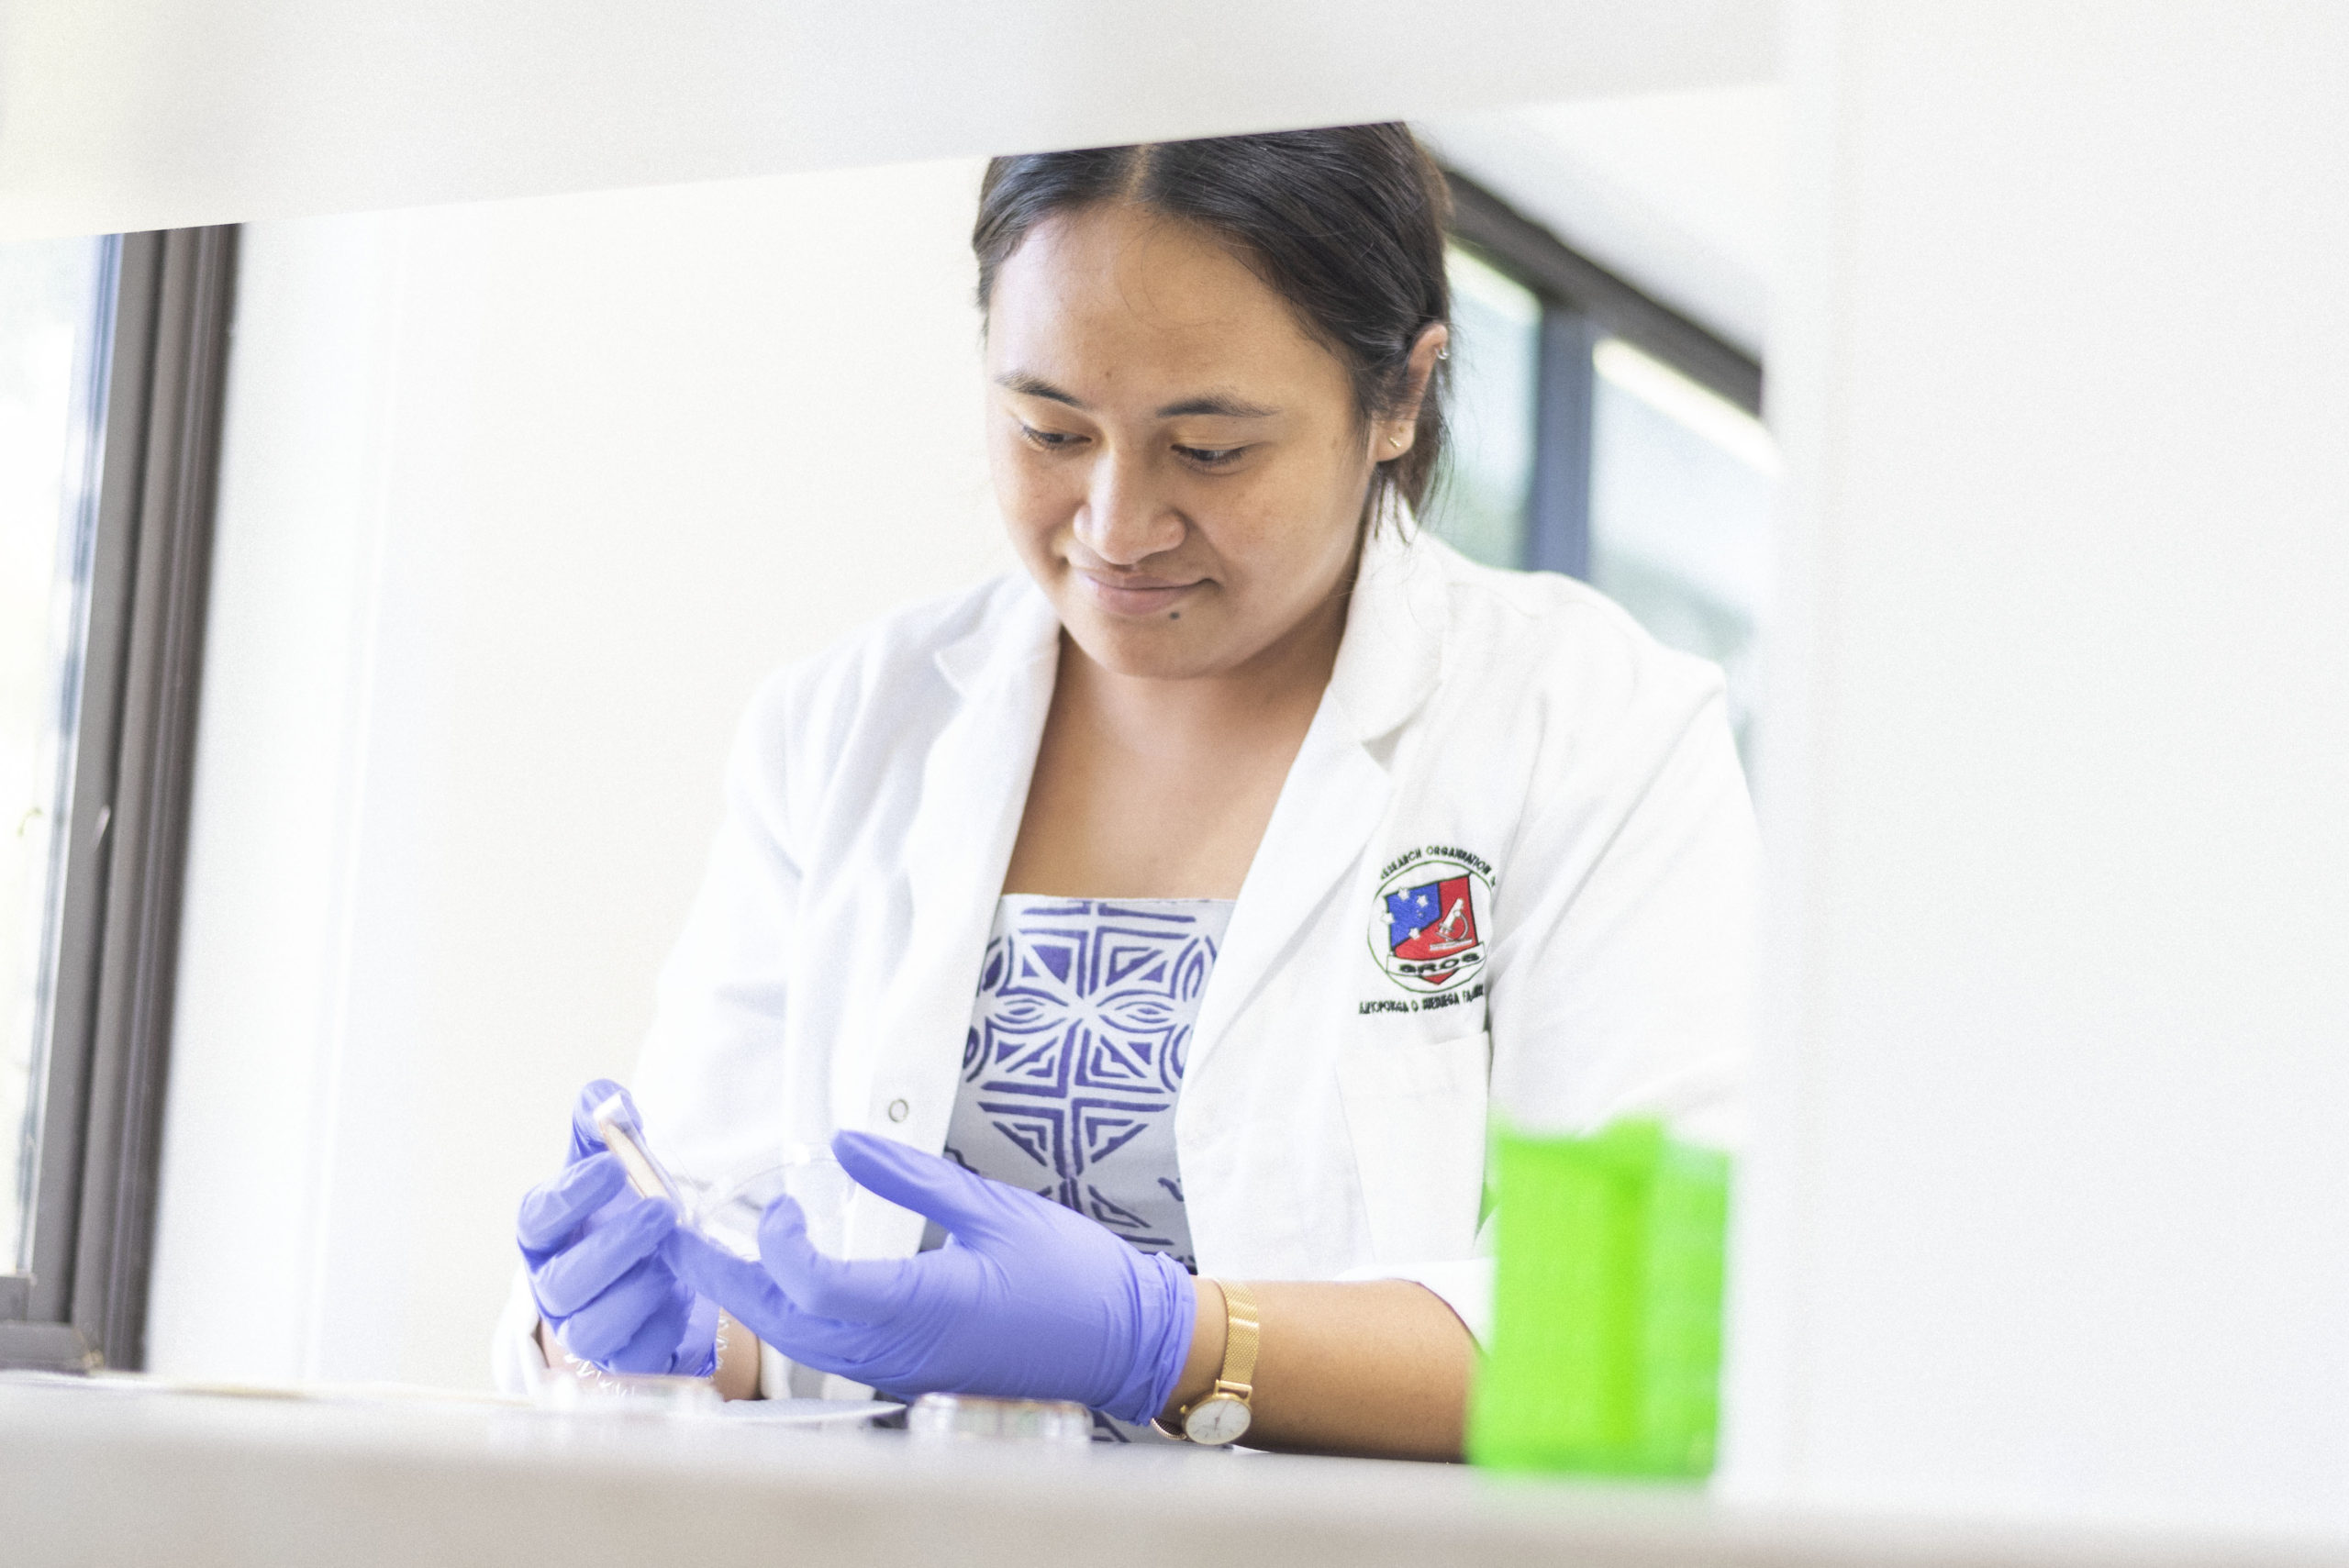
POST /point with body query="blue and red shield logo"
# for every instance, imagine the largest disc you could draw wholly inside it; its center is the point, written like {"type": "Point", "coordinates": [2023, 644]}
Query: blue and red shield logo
{"type": "Point", "coordinates": [1424, 933]}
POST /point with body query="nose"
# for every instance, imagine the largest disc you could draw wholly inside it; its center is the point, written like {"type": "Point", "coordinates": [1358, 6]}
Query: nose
{"type": "Point", "coordinates": [1125, 520]}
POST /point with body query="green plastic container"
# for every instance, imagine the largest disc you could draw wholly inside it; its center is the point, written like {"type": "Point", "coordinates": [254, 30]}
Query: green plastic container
{"type": "Point", "coordinates": [1605, 1347]}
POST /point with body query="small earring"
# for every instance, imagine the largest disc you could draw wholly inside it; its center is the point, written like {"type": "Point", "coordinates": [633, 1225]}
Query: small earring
{"type": "Point", "coordinates": [1444, 353]}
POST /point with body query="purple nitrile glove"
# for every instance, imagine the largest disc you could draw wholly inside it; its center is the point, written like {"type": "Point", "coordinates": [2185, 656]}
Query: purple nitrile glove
{"type": "Point", "coordinates": [1027, 1299]}
{"type": "Point", "coordinates": [593, 1248]}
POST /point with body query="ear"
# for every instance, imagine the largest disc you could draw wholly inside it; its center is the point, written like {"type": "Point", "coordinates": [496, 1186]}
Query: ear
{"type": "Point", "coordinates": [1392, 436]}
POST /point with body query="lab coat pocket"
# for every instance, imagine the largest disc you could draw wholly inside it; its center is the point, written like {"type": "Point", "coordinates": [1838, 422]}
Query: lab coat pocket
{"type": "Point", "coordinates": [1416, 1114]}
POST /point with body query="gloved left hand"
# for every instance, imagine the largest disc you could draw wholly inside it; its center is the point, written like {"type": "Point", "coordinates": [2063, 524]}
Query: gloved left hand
{"type": "Point", "coordinates": [1027, 1299]}
{"type": "Point", "coordinates": [594, 1252]}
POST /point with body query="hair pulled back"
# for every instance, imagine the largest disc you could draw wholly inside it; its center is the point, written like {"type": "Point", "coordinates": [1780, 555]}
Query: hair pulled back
{"type": "Point", "coordinates": [1346, 224]}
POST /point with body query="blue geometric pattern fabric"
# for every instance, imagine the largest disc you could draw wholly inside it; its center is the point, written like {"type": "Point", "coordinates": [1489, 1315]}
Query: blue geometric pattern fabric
{"type": "Point", "coordinates": [1075, 1056]}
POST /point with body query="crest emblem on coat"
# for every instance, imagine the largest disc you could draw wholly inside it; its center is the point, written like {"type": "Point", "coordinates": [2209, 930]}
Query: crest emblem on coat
{"type": "Point", "coordinates": [1427, 923]}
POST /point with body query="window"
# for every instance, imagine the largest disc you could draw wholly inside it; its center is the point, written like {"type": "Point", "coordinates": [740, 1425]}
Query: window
{"type": "Point", "coordinates": [1485, 504]}
{"type": "Point", "coordinates": [1600, 433]}
{"type": "Point", "coordinates": [112, 352]}
{"type": "Point", "coordinates": [55, 305]}
{"type": "Point", "coordinates": [1681, 484]}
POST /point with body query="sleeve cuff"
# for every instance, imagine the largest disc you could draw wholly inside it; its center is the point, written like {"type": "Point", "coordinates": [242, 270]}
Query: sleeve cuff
{"type": "Point", "coordinates": [516, 1364]}
{"type": "Point", "coordinates": [1464, 1285]}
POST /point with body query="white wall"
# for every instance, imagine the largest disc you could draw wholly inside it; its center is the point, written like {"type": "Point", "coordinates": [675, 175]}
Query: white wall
{"type": "Point", "coordinates": [2051, 1216]}
{"type": "Point", "coordinates": [520, 501]}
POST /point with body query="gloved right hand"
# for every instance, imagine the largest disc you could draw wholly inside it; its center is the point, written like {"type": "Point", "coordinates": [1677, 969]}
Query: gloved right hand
{"type": "Point", "coordinates": [595, 1250]}
{"type": "Point", "coordinates": [1027, 1299]}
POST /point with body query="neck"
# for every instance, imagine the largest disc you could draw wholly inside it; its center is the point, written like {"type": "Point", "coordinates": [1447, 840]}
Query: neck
{"type": "Point", "coordinates": [1277, 689]}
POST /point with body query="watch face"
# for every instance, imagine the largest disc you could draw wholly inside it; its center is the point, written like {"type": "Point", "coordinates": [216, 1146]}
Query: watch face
{"type": "Point", "coordinates": [1221, 1419]}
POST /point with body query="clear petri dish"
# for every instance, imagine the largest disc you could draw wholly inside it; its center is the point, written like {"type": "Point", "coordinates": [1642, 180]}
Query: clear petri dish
{"type": "Point", "coordinates": [810, 1175]}
{"type": "Point", "coordinates": [977, 1417]}
{"type": "Point", "coordinates": [583, 1390]}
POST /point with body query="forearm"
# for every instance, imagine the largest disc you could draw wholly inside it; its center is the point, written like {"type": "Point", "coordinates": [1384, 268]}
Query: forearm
{"type": "Point", "coordinates": [1380, 1367]}
{"type": "Point", "coordinates": [737, 1361]}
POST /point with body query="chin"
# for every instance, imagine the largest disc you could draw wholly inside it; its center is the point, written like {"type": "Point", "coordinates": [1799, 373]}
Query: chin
{"type": "Point", "coordinates": [1156, 650]}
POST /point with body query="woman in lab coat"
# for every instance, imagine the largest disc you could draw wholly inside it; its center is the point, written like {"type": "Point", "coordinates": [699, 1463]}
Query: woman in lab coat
{"type": "Point", "coordinates": [1159, 926]}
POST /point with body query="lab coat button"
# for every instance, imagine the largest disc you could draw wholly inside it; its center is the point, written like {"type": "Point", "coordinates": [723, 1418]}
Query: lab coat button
{"type": "Point", "coordinates": [900, 1110]}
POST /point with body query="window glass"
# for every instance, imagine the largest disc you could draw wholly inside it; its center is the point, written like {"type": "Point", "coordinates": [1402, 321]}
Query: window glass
{"type": "Point", "coordinates": [1481, 500]}
{"type": "Point", "coordinates": [55, 301]}
{"type": "Point", "coordinates": [1681, 490]}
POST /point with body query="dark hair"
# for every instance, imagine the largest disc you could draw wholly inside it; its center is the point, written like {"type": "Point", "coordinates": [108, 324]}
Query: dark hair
{"type": "Point", "coordinates": [1345, 224]}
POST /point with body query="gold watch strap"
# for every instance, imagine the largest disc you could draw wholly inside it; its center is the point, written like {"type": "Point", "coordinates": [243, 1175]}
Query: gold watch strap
{"type": "Point", "coordinates": [1242, 1326]}
{"type": "Point", "coordinates": [1237, 1380]}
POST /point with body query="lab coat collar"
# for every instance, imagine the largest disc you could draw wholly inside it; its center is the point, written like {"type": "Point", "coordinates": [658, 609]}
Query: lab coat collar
{"type": "Point", "coordinates": [1392, 655]}
{"type": "Point", "coordinates": [995, 650]}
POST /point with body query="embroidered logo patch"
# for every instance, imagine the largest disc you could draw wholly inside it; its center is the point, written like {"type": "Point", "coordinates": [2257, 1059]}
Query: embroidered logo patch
{"type": "Point", "coordinates": [1425, 928]}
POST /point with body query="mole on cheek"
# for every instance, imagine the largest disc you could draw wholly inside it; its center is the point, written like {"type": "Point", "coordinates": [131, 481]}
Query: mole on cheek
{"type": "Point", "coordinates": [1174, 615]}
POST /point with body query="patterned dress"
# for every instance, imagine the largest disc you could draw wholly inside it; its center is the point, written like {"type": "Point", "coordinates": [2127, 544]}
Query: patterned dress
{"type": "Point", "coordinates": [1074, 1057]}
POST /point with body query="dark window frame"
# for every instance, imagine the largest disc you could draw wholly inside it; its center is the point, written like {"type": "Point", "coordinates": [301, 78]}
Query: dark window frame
{"type": "Point", "coordinates": [103, 1073]}
{"type": "Point", "coordinates": [1583, 302]}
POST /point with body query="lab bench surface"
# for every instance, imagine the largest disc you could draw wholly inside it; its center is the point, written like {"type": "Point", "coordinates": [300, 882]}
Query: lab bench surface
{"type": "Point", "coordinates": [104, 1476]}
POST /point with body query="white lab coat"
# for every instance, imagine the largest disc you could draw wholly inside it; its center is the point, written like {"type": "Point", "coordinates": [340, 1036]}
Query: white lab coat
{"type": "Point", "coordinates": [1333, 1116]}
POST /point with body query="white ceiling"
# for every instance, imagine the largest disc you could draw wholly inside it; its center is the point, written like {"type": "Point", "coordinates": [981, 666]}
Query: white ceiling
{"type": "Point", "coordinates": [125, 114]}
{"type": "Point", "coordinates": [1680, 192]}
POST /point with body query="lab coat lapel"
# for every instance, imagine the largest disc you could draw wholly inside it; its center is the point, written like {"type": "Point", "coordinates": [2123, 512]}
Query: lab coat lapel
{"type": "Point", "coordinates": [957, 849]}
{"type": "Point", "coordinates": [1338, 790]}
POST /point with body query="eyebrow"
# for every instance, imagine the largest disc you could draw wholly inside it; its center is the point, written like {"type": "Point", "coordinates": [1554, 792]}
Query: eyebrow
{"type": "Point", "coordinates": [1214, 405]}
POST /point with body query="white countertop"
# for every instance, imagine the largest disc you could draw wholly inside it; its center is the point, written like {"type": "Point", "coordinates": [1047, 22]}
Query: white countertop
{"type": "Point", "coordinates": [103, 1476]}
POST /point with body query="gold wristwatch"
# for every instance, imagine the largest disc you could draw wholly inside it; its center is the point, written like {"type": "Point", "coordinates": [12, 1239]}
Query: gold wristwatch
{"type": "Point", "coordinates": [1221, 1415]}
